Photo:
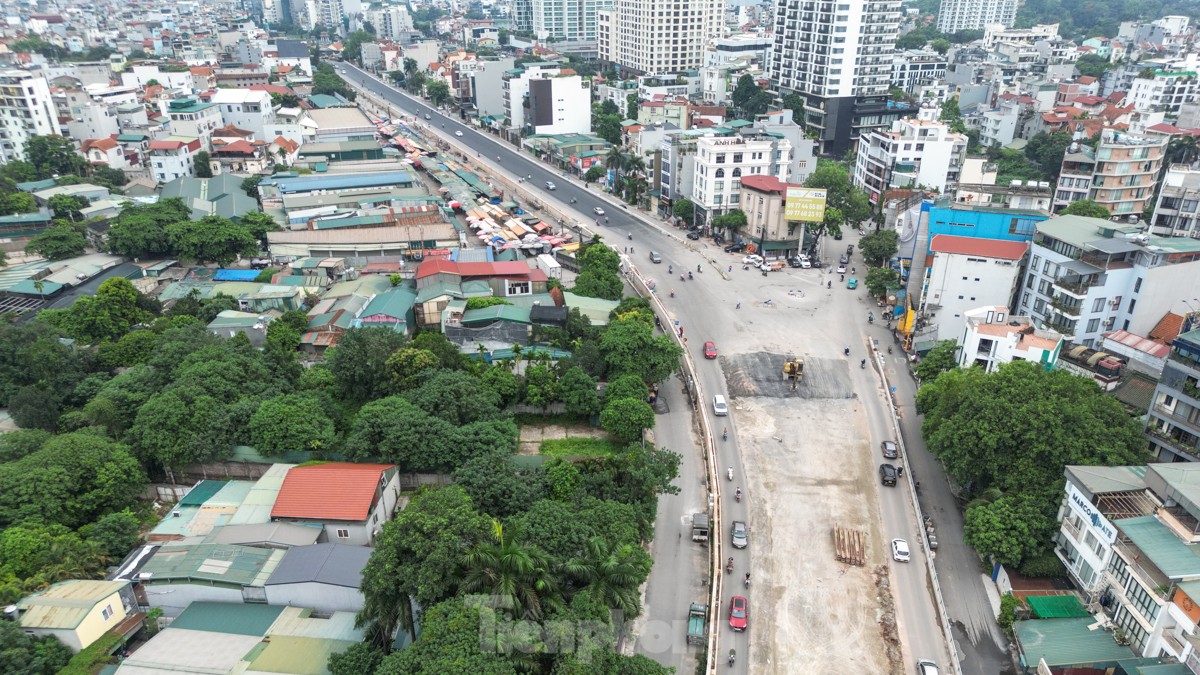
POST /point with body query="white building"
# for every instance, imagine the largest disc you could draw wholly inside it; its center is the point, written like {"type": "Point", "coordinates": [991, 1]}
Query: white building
{"type": "Point", "coordinates": [173, 157]}
{"type": "Point", "coordinates": [1177, 213]}
{"type": "Point", "coordinates": [1128, 537]}
{"type": "Point", "coordinates": [1089, 276]}
{"type": "Point", "coordinates": [913, 68]}
{"type": "Point", "coordinates": [1163, 91]}
{"type": "Point", "coordinates": [246, 109]}
{"type": "Point", "coordinates": [914, 152]}
{"type": "Point", "coordinates": [721, 161]}
{"type": "Point", "coordinates": [726, 49]}
{"type": "Point", "coordinates": [93, 120]}
{"type": "Point", "coordinates": [956, 15]}
{"type": "Point", "coordinates": [658, 36]}
{"type": "Point", "coordinates": [542, 100]}
{"type": "Point", "coordinates": [190, 117]}
{"type": "Point", "coordinates": [992, 337]}
{"type": "Point", "coordinates": [567, 21]}
{"type": "Point", "coordinates": [998, 126]}
{"type": "Point", "coordinates": [966, 273]}
{"type": "Point", "coordinates": [390, 22]}
{"type": "Point", "coordinates": [997, 33]}
{"type": "Point", "coordinates": [838, 57]}
{"type": "Point", "coordinates": [26, 110]}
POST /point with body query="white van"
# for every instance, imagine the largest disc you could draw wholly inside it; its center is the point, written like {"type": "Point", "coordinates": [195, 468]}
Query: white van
{"type": "Point", "coordinates": [720, 407]}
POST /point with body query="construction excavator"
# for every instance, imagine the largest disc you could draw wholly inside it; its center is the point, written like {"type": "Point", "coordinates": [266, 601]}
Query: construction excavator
{"type": "Point", "coordinates": [793, 370]}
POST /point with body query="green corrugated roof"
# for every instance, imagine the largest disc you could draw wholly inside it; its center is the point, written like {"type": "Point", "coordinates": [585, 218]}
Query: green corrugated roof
{"type": "Point", "coordinates": [203, 490]}
{"type": "Point", "coordinates": [397, 303]}
{"type": "Point", "coordinates": [131, 138]}
{"type": "Point", "coordinates": [1065, 643]}
{"type": "Point", "coordinates": [356, 221]}
{"type": "Point", "coordinates": [1156, 669]}
{"type": "Point", "coordinates": [297, 655]}
{"type": "Point", "coordinates": [1175, 558]}
{"type": "Point", "coordinates": [435, 290]}
{"type": "Point", "coordinates": [29, 287]}
{"type": "Point", "coordinates": [1055, 606]}
{"type": "Point", "coordinates": [496, 313]}
{"type": "Point", "coordinates": [221, 617]}
{"type": "Point", "coordinates": [217, 563]}
{"type": "Point", "coordinates": [24, 218]}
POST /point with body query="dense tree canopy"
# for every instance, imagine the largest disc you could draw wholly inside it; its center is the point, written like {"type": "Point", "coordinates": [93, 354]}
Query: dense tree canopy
{"type": "Point", "coordinates": [1086, 207]}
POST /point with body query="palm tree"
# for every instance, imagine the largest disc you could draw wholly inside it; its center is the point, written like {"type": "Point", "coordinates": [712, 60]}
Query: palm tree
{"type": "Point", "coordinates": [507, 568]}
{"type": "Point", "coordinates": [1182, 150]}
{"type": "Point", "coordinates": [616, 160]}
{"type": "Point", "coordinates": [612, 574]}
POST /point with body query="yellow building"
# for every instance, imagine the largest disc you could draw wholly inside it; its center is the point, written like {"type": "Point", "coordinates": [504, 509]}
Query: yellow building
{"type": "Point", "coordinates": [78, 612]}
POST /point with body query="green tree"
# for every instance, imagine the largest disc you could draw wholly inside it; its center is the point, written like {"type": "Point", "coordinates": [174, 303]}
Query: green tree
{"type": "Point", "coordinates": [438, 92]}
{"type": "Point", "coordinates": [1010, 528]}
{"type": "Point", "coordinates": [415, 558]}
{"type": "Point", "coordinates": [352, 45]}
{"type": "Point", "coordinates": [940, 45]}
{"type": "Point", "coordinates": [140, 230]}
{"type": "Point", "coordinates": [109, 177]}
{"type": "Point", "coordinates": [594, 173]}
{"type": "Point", "coordinates": [502, 381]}
{"type": "Point", "coordinates": [626, 418]}
{"type": "Point", "coordinates": [498, 486]}
{"type": "Point", "coordinates": [629, 346]}
{"type": "Point", "coordinates": [114, 534]}
{"type": "Point", "coordinates": [506, 567]}
{"type": "Point", "coordinates": [18, 202]}
{"type": "Point", "coordinates": [1092, 65]}
{"type": "Point", "coordinates": [749, 98]}
{"type": "Point", "coordinates": [685, 209]}
{"type": "Point", "coordinates": [107, 315]}
{"type": "Point", "coordinates": [1086, 207]}
{"type": "Point", "coordinates": [879, 247]}
{"type": "Point", "coordinates": [393, 430]}
{"type": "Point", "coordinates": [733, 220]}
{"type": "Point", "coordinates": [291, 423]}
{"type": "Point", "coordinates": [880, 279]}
{"type": "Point", "coordinates": [211, 239]}
{"type": "Point", "coordinates": [1047, 150]}
{"type": "Point", "coordinates": [29, 654]}
{"type": "Point", "coordinates": [361, 658]}
{"type": "Point", "coordinates": [407, 365]}
{"type": "Point", "coordinates": [449, 643]}
{"type": "Point", "coordinates": [58, 242]}
{"type": "Point", "coordinates": [51, 155]}
{"type": "Point", "coordinates": [456, 397]}
{"type": "Point", "coordinates": [626, 386]}
{"type": "Point", "coordinates": [952, 115]}
{"type": "Point", "coordinates": [941, 358]}
{"type": "Point", "coordinates": [35, 407]}
{"type": "Point", "coordinates": [258, 224]}
{"type": "Point", "coordinates": [840, 193]}
{"type": "Point", "coordinates": [578, 391]}
{"type": "Point", "coordinates": [249, 185]}
{"type": "Point", "coordinates": [68, 206]}
{"type": "Point", "coordinates": [359, 361]}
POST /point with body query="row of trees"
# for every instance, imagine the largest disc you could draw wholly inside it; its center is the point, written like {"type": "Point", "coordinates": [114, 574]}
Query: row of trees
{"type": "Point", "coordinates": [166, 229]}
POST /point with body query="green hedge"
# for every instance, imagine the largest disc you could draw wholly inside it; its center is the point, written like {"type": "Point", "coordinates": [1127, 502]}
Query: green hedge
{"type": "Point", "coordinates": [97, 654]}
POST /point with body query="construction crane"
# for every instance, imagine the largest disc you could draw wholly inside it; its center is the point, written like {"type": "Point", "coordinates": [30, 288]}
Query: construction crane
{"type": "Point", "coordinates": [793, 370]}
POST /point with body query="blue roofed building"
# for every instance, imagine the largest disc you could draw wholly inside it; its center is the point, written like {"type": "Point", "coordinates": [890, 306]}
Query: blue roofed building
{"type": "Point", "coordinates": [280, 184]}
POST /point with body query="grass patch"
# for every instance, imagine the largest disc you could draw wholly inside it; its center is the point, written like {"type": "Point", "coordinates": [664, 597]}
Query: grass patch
{"type": "Point", "coordinates": [579, 446]}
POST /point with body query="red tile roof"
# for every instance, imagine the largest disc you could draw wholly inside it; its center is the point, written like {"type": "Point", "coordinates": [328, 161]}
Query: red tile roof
{"type": "Point", "coordinates": [109, 143]}
{"type": "Point", "coordinates": [166, 145]}
{"type": "Point", "coordinates": [333, 491]}
{"type": "Point", "coordinates": [1145, 345]}
{"type": "Point", "coordinates": [765, 183]}
{"type": "Point", "coordinates": [985, 248]}
{"type": "Point", "coordinates": [237, 147]}
{"type": "Point", "coordinates": [512, 269]}
{"type": "Point", "coordinates": [1168, 327]}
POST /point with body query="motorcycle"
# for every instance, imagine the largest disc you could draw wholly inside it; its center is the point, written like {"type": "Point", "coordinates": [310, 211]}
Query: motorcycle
{"type": "Point", "coordinates": [737, 495]}
{"type": "Point", "coordinates": [846, 351]}
{"type": "Point", "coordinates": [672, 292]}
{"type": "Point", "coordinates": [732, 657]}
{"type": "Point", "coordinates": [729, 566]}
{"type": "Point", "coordinates": [747, 580]}
{"type": "Point", "coordinates": [690, 275]}
{"type": "Point", "coordinates": [725, 436]}
{"type": "Point", "coordinates": [682, 277]}
{"type": "Point", "coordinates": [870, 318]}
{"type": "Point", "coordinates": [863, 364]}
{"type": "Point", "coordinates": [829, 284]}
{"type": "Point", "coordinates": [698, 270]}
{"type": "Point", "coordinates": [729, 473]}
{"type": "Point", "coordinates": [889, 349]}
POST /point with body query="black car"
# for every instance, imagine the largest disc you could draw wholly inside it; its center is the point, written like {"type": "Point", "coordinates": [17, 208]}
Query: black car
{"type": "Point", "coordinates": [838, 236]}
{"type": "Point", "coordinates": [693, 235]}
{"type": "Point", "coordinates": [888, 475]}
{"type": "Point", "coordinates": [889, 450]}
{"type": "Point", "coordinates": [793, 262]}
{"type": "Point", "coordinates": [735, 248]}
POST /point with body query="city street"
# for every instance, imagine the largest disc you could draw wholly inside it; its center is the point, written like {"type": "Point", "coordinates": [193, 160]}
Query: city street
{"type": "Point", "coordinates": [807, 459]}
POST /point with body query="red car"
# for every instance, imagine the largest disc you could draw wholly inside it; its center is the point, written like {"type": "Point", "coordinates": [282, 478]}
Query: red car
{"type": "Point", "coordinates": [710, 350]}
{"type": "Point", "coordinates": [739, 613]}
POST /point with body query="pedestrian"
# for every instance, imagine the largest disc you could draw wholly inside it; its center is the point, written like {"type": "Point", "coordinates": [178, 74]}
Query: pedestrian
{"type": "Point", "coordinates": [739, 305]}
{"type": "Point", "coordinates": [631, 249]}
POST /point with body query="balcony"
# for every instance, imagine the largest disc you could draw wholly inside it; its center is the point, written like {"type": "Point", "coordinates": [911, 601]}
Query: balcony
{"type": "Point", "coordinates": [1166, 413]}
{"type": "Point", "coordinates": [1165, 438]}
{"type": "Point", "coordinates": [1076, 285]}
{"type": "Point", "coordinates": [1067, 306]}
{"type": "Point", "coordinates": [1145, 572]}
{"type": "Point", "coordinates": [1066, 327]}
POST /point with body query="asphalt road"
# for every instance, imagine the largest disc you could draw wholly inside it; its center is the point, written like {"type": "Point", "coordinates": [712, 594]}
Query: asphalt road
{"type": "Point", "coordinates": [706, 310]}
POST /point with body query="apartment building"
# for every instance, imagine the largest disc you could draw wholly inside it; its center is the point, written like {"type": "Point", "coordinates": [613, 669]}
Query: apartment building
{"type": "Point", "coordinates": [914, 152]}
{"type": "Point", "coordinates": [1177, 213]}
{"type": "Point", "coordinates": [191, 117]}
{"type": "Point", "coordinates": [1120, 174]}
{"type": "Point", "coordinates": [391, 21]}
{"type": "Point", "coordinates": [1173, 424]}
{"type": "Point", "coordinates": [567, 21]}
{"type": "Point", "coordinates": [722, 160]}
{"type": "Point", "coordinates": [542, 99]}
{"type": "Point", "coordinates": [1089, 276]}
{"type": "Point", "coordinates": [26, 110]}
{"type": "Point", "coordinates": [1164, 91]}
{"type": "Point", "coordinates": [246, 109]}
{"type": "Point", "coordinates": [173, 157]}
{"type": "Point", "coordinates": [956, 15]}
{"type": "Point", "coordinates": [747, 47]}
{"type": "Point", "coordinates": [965, 273]}
{"type": "Point", "coordinates": [837, 55]}
{"type": "Point", "coordinates": [994, 34]}
{"type": "Point", "coordinates": [1129, 536]}
{"type": "Point", "coordinates": [914, 68]}
{"type": "Point", "coordinates": [657, 36]}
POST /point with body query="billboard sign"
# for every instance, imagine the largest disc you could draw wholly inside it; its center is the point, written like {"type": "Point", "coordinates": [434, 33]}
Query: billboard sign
{"type": "Point", "coordinates": [804, 204]}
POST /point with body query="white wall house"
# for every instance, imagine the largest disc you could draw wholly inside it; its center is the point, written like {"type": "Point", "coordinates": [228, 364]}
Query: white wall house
{"type": "Point", "coordinates": [967, 273]}
{"type": "Point", "coordinates": [542, 100]}
{"type": "Point", "coordinates": [722, 161]}
{"type": "Point", "coordinates": [992, 337]}
{"type": "Point", "coordinates": [914, 152]}
{"type": "Point", "coordinates": [246, 109]}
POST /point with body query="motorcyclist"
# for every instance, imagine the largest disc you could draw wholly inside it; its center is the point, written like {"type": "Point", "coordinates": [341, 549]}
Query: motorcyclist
{"type": "Point", "coordinates": [737, 494]}
{"type": "Point", "coordinates": [729, 473]}
{"type": "Point", "coordinates": [725, 434]}
{"type": "Point", "coordinates": [862, 364]}
{"type": "Point", "coordinates": [846, 351]}
{"type": "Point", "coordinates": [828, 284]}
{"type": "Point", "coordinates": [747, 579]}
{"type": "Point", "coordinates": [689, 274]}
{"type": "Point", "coordinates": [670, 269]}
{"type": "Point", "coordinates": [697, 268]}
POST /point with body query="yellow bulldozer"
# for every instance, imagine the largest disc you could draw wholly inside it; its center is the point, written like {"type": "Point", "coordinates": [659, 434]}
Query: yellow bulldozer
{"type": "Point", "coordinates": [793, 370]}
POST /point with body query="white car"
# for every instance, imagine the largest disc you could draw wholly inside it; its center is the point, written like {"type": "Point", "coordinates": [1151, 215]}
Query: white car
{"type": "Point", "coordinates": [926, 667]}
{"type": "Point", "coordinates": [899, 550]}
{"type": "Point", "coordinates": [550, 185]}
{"type": "Point", "coordinates": [720, 407]}
{"type": "Point", "coordinates": [752, 260]}
{"type": "Point", "coordinates": [841, 269]}
{"type": "Point", "coordinates": [805, 263]}
{"type": "Point", "coordinates": [458, 132]}
{"type": "Point", "coordinates": [598, 211]}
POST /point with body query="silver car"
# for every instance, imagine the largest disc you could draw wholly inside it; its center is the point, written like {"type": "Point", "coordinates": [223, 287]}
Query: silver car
{"type": "Point", "coordinates": [926, 667]}
{"type": "Point", "coordinates": [741, 534]}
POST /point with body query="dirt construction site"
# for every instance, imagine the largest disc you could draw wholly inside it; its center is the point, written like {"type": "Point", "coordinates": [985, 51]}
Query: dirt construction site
{"type": "Point", "coordinates": [808, 454]}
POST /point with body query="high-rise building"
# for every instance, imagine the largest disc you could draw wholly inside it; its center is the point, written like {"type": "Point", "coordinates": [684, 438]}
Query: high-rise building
{"type": "Point", "coordinates": [26, 110]}
{"type": "Point", "coordinates": [566, 21]}
{"type": "Point", "coordinates": [956, 15]}
{"type": "Point", "coordinates": [837, 55]}
{"type": "Point", "coordinates": [659, 36]}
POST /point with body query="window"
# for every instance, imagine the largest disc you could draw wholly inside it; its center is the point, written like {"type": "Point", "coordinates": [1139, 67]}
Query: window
{"type": "Point", "coordinates": [1093, 325]}
{"type": "Point", "coordinates": [1098, 305]}
{"type": "Point", "coordinates": [518, 288]}
{"type": "Point", "coordinates": [1137, 285]}
{"type": "Point", "coordinates": [343, 533]}
{"type": "Point", "coordinates": [1132, 304]}
{"type": "Point", "coordinates": [107, 612]}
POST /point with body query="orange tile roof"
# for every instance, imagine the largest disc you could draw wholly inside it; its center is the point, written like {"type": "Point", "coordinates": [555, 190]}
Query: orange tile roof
{"type": "Point", "coordinates": [1167, 328]}
{"type": "Point", "coordinates": [986, 248]}
{"type": "Point", "coordinates": [333, 491]}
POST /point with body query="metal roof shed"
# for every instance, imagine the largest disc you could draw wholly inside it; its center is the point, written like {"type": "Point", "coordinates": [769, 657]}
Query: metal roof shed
{"type": "Point", "coordinates": [1067, 643]}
